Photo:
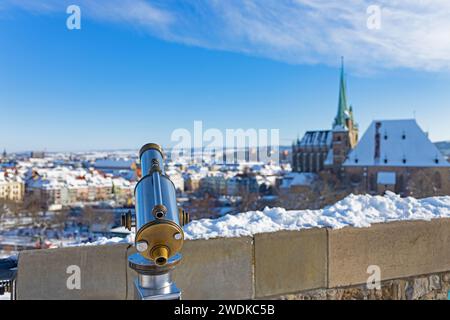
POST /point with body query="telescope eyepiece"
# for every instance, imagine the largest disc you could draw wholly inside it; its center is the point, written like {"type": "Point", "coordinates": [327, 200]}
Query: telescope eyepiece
{"type": "Point", "coordinates": [160, 255]}
{"type": "Point", "coordinates": [151, 146]}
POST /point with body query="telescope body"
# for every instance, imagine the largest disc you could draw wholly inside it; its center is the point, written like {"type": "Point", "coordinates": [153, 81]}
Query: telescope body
{"type": "Point", "coordinates": [159, 229]}
{"type": "Point", "coordinates": [159, 236]}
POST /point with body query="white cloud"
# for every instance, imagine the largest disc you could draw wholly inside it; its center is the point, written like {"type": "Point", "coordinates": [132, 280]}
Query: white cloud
{"type": "Point", "coordinates": [137, 12]}
{"type": "Point", "coordinates": [413, 34]}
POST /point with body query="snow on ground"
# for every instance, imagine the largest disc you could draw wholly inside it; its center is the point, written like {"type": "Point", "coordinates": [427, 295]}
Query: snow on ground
{"type": "Point", "coordinates": [102, 241]}
{"type": "Point", "coordinates": [6, 296]}
{"type": "Point", "coordinates": [355, 210]}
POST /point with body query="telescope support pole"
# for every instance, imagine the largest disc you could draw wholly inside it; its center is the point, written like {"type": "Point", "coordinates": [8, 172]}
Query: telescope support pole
{"type": "Point", "coordinates": [152, 281]}
{"type": "Point", "coordinates": [156, 287]}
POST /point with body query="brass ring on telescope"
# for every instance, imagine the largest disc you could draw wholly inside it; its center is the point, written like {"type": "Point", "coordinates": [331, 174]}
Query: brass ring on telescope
{"type": "Point", "coordinates": [153, 146]}
{"type": "Point", "coordinates": [159, 233]}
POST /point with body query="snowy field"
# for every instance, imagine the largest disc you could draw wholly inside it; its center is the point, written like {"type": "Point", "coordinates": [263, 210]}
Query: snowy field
{"type": "Point", "coordinates": [355, 210]}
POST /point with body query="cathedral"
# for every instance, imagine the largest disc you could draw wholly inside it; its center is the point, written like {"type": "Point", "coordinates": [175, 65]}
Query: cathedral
{"type": "Point", "coordinates": [321, 150]}
{"type": "Point", "coordinates": [394, 155]}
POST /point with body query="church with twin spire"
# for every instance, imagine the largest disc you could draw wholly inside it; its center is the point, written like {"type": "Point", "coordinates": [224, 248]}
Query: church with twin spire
{"type": "Point", "coordinates": [321, 150]}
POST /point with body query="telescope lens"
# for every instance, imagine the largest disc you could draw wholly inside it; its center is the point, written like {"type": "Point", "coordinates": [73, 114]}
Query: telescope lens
{"type": "Point", "coordinates": [161, 261]}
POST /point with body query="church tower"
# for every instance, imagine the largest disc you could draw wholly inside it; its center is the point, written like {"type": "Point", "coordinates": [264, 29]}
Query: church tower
{"type": "Point", "coordinates": [345, 129]}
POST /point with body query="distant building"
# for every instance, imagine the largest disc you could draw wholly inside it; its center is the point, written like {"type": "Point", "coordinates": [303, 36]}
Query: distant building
{"type": "Point", "coordinates": [327, 149]}
{"type": "Point", "coordinates": [177, 178]}
{"type": "Point", "coordinates": [192, 182]}
{"type": "Point", "coordinates": [298, 181]}
{"type": "Point", "coordinates": [243, 183]}
{"type": "Point", "coordinates": [214, 183]}
{"type": "Point", "coordinates": [12, 187]}
{"type": "Point", "coordinates": [62, 186]}
{"type": "Point", "coordinates": [123, 190]}
{"type": "Point", "coordinates": [309, 153]}
{"type": "Point", "coordinates": [118, 167]}
{"type": "Point", "coordinates": [391, 154]}
{"type": "Point", "coordinates": [38, 154]}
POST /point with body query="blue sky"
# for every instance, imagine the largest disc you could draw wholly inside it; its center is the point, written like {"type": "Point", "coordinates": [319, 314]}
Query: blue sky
{"type": "Point", "coordinates": [138, 69]}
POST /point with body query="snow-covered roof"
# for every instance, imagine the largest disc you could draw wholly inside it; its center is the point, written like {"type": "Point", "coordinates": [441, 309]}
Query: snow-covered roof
{"type": "Point", "coordinates": [317, 138]}
{"type": "Point", "coordinates": [402, 143]}
{"type": "Point", "coordinates": [113, 163]}
{"type": "Point", "coordinates": [59, 177]}
{"type": "Point", "coordinates": [339, 128]}
{"type": "Point", "coordinates": [298, 179]}
{"type": "Point", "coordinates": [9, 176]}
{"type": "Point", "coordinates": [267, 169]}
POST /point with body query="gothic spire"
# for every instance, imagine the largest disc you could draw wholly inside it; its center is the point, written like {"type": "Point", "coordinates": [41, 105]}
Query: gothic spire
{"type": "Point", "coordinates": [342, 104]}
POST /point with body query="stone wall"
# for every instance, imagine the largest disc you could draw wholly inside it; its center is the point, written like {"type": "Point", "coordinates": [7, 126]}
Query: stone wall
{"type": "Point", "coordinates": [430, 287]}
{"type": "Point", "coordinates": [412, 257]}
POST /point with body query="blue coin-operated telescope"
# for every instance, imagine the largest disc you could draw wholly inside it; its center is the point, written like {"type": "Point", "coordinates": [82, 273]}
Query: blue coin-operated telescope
{"type": "Point", "coordinates": [159, 233]}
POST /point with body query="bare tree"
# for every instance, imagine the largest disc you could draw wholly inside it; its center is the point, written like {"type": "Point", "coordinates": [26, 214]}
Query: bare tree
{"type": "Point", "coordinates": [59, 219]}
{"type": "Point", "coordinates": [105, 219]}
{"type": "Point", "coordinates": [3, 210]}
{"type": "Point", "coordinates": [9, 208]}
{"type": "Point", "coordinates": [201, 207]}
{"type": "Point", "coordinates": [326, 190]}
{"type": "Point", "coordinates": [33, 205]}
{"type": "Point", "coordinates": [249, 200]}
{"type": "Point", "coordinates": [92, 217]}
{"type": "Point", "coordinates": [423, 183]}
{"type": "Point", "coordinates": [297, 199]}
{"type": "Point", "coordinates": [89, 217]}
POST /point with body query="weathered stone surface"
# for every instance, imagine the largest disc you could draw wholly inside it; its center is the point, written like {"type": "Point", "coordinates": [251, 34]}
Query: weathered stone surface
{"type": "Point", "coordinates": [400, 289]}
{"type": "Point", "coordinates": [417, 289]}
{"type": "Point", "coordinates": [42, 274]}
{"type": "Point", "coordinates": [131, 275]}
{"type": "Point", "coordinates": [290, 261]}
{"type": "Point", "coordinates": [213, 269]}
{"type": "Point", "coordinates": [413, 257]}
{"type": "Point", "coordinates": [216, 269]}
{"type": "Point", "coordinates": [312, 295]}
{"type": "Point", "coordinates": [400, 249]}
{"type": "Point", "coordinates": [435, 282]}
